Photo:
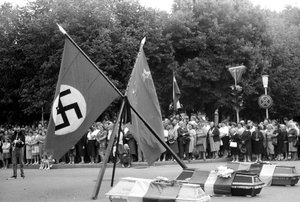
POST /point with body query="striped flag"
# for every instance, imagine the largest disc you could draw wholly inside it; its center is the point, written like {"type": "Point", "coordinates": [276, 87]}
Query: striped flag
{"type": "Point", "coordinates": [146, 190]}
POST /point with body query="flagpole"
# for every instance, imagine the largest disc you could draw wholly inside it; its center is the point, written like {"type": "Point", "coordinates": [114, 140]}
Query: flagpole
{"type": "Point", "coordinates": [117, 151]}
{"type": "Point", "coordinates": [96, 67]}
{"type": "Point", "coordinates": [181, 163]}
{"type": "Point", "coordinates": [107, 154]}
{"type": "Point", "coordinates": [174, 104]}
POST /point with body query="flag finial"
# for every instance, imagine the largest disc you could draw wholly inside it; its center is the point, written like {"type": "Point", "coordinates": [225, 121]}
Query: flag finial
{"type": "Point", "coordinates": [61, 29]}
{"type": "Point", "coordinates": [143, 41]}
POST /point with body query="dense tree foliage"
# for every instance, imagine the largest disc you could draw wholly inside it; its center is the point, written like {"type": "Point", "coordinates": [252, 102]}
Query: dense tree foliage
{"type": "Point", "coordinates": [199, 40]}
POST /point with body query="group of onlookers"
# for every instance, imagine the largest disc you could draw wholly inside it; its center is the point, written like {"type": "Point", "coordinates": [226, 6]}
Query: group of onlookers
{"type": "Point", "coordinates": [189, 137]}
{"type": "Point", "coordinates": [196, 138]}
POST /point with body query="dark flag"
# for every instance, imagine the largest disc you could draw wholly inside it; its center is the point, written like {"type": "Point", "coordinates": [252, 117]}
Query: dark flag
{"type": "Point", "coordinates": [142, 97]}
{"type": "Point", "coordinates": [82, 94]}
{"type": "Point", "coordinates": [176, 94]}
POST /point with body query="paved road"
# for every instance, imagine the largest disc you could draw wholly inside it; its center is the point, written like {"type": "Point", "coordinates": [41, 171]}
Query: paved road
{"type": "Point", "coordinates": [77, 184]}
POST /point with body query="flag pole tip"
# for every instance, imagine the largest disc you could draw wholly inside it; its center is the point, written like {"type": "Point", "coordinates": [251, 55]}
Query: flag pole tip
{"type": "Point", "coordinates": [61, 29]}
{"type": "Point", "coordinates": [143, 41]}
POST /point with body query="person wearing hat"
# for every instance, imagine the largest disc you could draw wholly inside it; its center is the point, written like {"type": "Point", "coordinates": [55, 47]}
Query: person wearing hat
{"type": "Point", "coordinates": [246, 144]}
{"type": "Point", "coordinates": [257, 143]}
{"type": "Point", "coordinates": [18, 143]}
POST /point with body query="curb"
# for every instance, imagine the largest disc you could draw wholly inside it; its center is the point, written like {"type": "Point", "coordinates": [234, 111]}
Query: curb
{"type": "Point", "coordinates": [133, 165]}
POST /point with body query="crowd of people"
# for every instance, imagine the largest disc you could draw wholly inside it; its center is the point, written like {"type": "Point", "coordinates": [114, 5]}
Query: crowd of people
{"type": "Point", "coordinates": [190, 138]}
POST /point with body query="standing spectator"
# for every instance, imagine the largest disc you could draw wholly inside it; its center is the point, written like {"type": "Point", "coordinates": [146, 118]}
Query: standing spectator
{"type": "Point", "coordinates": [281, 141]}
{"type": "Point", "coordinates": [247, 143]}
{"type": "Point", "coordinates": [91, 143]}
{"type": "Point", "coordinates": [101, 138]}
{"type": "Point", "coordinates": [1, 143]}
{"type": "Point", "coordinates": [292, 138]}
{"type": "Point", "coordinates": [81, 147]}
{"type": "Point", "coordinates": [129, 139]}
{"type": "Point", "coordinates": [285, 147]}
{"type": "Point", "coordinates": [35, 148]}
{"type": "Point", "coordinates": [183, 141]}
{"type": "Point", "coordinates": [224, 135]}
{"type": "Point", "coordinates": [42, 139]}
{"type": "Point", "coordinates": [276, 136]}
{"type": "Point", "coordinates": [18, 142]}
{"type": "Point", "coordinates": [234, 140]}
{"type": "Point", "coordinates": [192, 136]}
{"type": "Point", "coordinates": [257, 143]}
{"type": "Point", "coordinates": [214, 140]}
{"type": "Point", "coordinates": [270, 146]}
{"type": "Point", "coordinates": [71, 154]}
{"type": "Point", "coordinates": [201, 141]}
{"type": "Point", "coordinates": [28, 143]}
{"type": "Point", "coordinates": [172, 140]}
{"type": "Point", "coordinates": [6, 151]}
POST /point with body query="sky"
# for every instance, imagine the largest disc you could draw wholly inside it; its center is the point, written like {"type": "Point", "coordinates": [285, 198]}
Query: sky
{"type": "Point", "coordinates": [274, 5]}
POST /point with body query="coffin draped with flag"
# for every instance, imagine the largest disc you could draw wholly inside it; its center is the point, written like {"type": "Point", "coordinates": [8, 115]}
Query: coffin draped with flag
{"type": "Point", "coordinates": [142, 97]}
{"type": "Point", "coordinates": [82, 94]}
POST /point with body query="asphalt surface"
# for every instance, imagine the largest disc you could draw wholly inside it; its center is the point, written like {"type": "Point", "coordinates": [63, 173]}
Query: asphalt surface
{"type": "Point", "coordinates": [77, 184]}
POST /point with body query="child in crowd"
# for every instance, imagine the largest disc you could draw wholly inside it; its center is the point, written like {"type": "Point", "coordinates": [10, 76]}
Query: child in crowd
{"type": "Point", "coordinates": [125, 157]}
{"type": "Point", "coordinates": [6, 151]}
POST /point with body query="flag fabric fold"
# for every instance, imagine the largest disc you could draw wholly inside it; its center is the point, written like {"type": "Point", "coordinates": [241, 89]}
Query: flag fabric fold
{"type": "Point", "coordinates": [176, 94]}
{"type": "Point", "coordinates": [142, 97]}
{"type": "Point", "coordinates": [82, 94]}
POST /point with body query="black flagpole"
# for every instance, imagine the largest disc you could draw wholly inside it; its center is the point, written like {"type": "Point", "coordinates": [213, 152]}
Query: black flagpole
{"type": "Point", "coordinates": [117, 151]}
{"type": "Point", "coordinates": [181, 163]}
{"type": "Point", "coordinates": [107, 154]}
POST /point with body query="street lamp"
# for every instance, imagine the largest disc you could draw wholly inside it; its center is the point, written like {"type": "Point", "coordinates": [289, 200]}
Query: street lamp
{"type": "Point", "coordinates": [265, 80]}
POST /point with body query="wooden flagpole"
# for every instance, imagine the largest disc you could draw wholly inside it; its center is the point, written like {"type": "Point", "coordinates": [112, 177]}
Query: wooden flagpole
{"type": "Point", "coordinates": [107, 153]}
{"type": "Point", "coordinates": [117, 151]}
{"type": "Point", "coordinates": [181, 163]}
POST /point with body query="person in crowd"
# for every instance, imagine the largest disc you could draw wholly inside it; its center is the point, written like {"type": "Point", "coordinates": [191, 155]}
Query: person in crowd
{"type": "Point", "coordinates": [28, 146]}
{"type": "Point", "coordinates": [257, 143]}
{"type": "Point", "coordinates": [270, 146]}
{"type": "Point", "coordinates": [91, 143]}
{"type": "Point", "coordinates": [6, 147]}
{"type": "Point", "coordinates": [284, 137]}
{"type": "Point", "coordinates": [201, 134]}
{"type": "Point", "coordinates": [35, 147]}
{"type": "Point", "coordinates": [163, 156]}
{"type": "Point", "coordinates": [129, 139]}
{"type": "Point", "coordinates": [42, 139]}
{"type": "Point", "coordinates": [183, 141]}
{"type": "Point", "coordinates": [246, 143]}
{"type": "Point", "coordinates": [125, 157]}
{"type": "Point", "coordinates": [71, 155]}
{"type": "Point", "coordinates": [1, 151]}
{"type": "Point", "coordinates": [224, 135]}
{"type": "Point", "coordinates": [214, 140]}
{"type": "Point", "coordinates": [18, 143]}
{"type": "Point", "coordinates": [240, 128]}
{"type": "Point", "coordinates": [81, 148]}
{"type": "Point", "coordinates": [234, 144]}
{"type": "Point", "coordinates": [192, 136]}
{"type": "Point", "coordinates": [276, 136]}
{"type": "Point", "coordinates": [172, 139]}
{"type": "Point", "coordinates": [292, 139]}
{"type": "Point", "coordinates": [101, 139]}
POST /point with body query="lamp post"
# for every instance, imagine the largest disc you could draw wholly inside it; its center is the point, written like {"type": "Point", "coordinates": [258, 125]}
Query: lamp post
{"type": "Point", "coordinates": [265, 79]}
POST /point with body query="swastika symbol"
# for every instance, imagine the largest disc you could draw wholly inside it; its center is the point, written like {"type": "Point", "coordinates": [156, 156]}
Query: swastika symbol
{"type": "Point", "coordinates": [62, 110]}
